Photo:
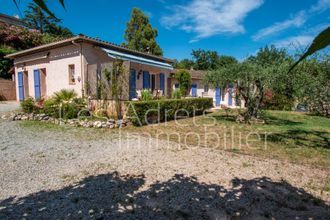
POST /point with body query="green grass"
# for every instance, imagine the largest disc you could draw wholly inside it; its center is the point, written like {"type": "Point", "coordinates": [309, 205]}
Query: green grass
{"type": "Point", "coordinates": [290, 136]}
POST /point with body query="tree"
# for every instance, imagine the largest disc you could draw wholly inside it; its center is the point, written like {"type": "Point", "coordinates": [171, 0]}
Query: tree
{"type": "Point", "coordinates": [184, 80]}
{"type": "Point", "coordinates": [250, 80]}
{"type": "Point", "coordinates": [184, 64]}
{"type": "Point", "coordinates": [224, 61]}
{"type": "Point", "coordinates": [140, 35]}
{"type": "Point", "coordinates": [43, 6]}
{"type": "Point", "coordinates": [35, 18]}
{"type": "Point", "coordinates": [313, 84]}
{"type": "Point", "coordinates": [282, 87]}
{"type": "Point", "coordinates": [205, 59]}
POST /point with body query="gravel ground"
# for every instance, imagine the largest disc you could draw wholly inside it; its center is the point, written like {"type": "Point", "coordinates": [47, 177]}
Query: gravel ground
{"type": "Point", "coordinates": [8, 106]}
{"type": "Point", "coordinates": [73, 173]}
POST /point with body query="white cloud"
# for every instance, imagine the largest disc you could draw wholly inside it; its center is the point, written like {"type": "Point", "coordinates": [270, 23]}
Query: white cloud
{"type": "Point", "coordinates": [207, 18]}
{"type": "Point", "coordinates": [296, 41]}
{"type": "Point", "coordinates": [296, 21]}
{"type": "Point", "coordinates": [320, 6]}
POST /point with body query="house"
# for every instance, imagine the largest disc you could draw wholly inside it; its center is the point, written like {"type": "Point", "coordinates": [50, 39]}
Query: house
{"type": "Point", "coordinates": [221, 96]}
{"type": "Point", "coordinates": [79, 62]}
{"type": "Point", "coordinates": [10, 20]}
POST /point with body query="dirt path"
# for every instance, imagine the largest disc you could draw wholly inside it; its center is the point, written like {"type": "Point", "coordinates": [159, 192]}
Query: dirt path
{"type": "Point", "coordinates": [73, 172]}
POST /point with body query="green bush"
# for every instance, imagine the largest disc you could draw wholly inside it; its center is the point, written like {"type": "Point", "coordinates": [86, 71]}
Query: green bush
{"type": "Point", "coordinates": [29, 106]}
{"type": "Point", "coordinates": [165, 110]}
{"type": "Point", "coordinates": [65, 110]}
{"type": "Point", "coordinates": [64, 104]}
{"type": "Point", "coordinates": [176, 94]}
{"type": "Point", "coordinates": [146, 95]}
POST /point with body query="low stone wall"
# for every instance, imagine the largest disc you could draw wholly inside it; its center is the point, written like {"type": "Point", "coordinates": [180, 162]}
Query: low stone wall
{"type": "Point", "coordinates": [7, 90]}
{"type": "Point", "coordinates": [110, 123]}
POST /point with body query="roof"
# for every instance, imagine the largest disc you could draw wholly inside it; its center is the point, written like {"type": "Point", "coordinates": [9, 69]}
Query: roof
{"type": "Point", "coordinates": [11, 20]}
{"type": "Point", "coordinates": [83, 38]}
{"type": "Point", "coordinates": [195, 74]}
{"type": "Point", "coordinates": [137, 59]}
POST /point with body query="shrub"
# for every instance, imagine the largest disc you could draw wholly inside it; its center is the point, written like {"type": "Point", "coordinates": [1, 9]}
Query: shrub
{"type": "Point", "coordinates": [64, 104]}
{"type": "Point", "coordinates": [65, 110]}
{"type": "Point", "coordinates": [146, 95]}
{"type": "Point", "coordinates": [176, 94]}
{"type": "Point", "coordinates": [184, 79]}
{"type": "Point", "coordinates": [28, 105]}
{"type": "Point", "coordinates": [165, 110]}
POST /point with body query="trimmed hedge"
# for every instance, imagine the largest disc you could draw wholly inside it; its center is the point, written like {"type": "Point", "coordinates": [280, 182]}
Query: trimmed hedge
{"type": "Point", "coordinates": [165, 110]}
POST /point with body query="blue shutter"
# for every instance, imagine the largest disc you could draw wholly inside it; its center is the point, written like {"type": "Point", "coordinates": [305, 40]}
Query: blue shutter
{"type": "Point", "coordinates": [132, 84]}
{"type": "Point", "coordinates": [20, 86]}
{"type": "Point", "coordinates": [217, 96]}
{"type": "Point", "coordinates": [162, 82]}
{"type": "Point", "coordinates": [36, 75]}
{"type": "Point", "coordinates": [194, 90]}
{"type": "Point", "coordinates": [146, 80]}
{"type": "Point", "coordinates": [230, 95]}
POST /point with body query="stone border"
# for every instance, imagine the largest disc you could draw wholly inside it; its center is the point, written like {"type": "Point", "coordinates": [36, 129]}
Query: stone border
{"type": "Point", "coordinates": [85, 123]}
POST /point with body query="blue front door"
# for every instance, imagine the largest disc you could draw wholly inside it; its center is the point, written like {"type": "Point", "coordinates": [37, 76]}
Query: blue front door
{"type": "Point", "coordinates": [162, 82]}
{"type": "Point", "coordinates": [193, 90]}
{"type": "Point", "coordinates": [217, 96]}
{"type": "Point", "coordinates": [146, 80]}
{"type": "Point", "coordinates": [132, 84]}
{"type": "Point", "coordinates": [36, 75]}
{"type": "Point", "coordinates": [230, 95]}
{"type": "Point", "coordinates": [20, 86]}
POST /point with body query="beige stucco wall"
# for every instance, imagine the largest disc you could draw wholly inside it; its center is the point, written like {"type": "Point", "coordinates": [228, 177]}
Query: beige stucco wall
{"type": "Point", "coordinates": [57, 70]}
{"type": "Point", "coordinates": [211, 93]}
{"type": "Point", "coordinates": [83, 56]}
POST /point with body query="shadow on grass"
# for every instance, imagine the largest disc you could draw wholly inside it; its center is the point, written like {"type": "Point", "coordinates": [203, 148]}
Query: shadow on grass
{"type": "Point", "coordinates": [112, 196]}
{"type": "Point", "coordinates": [302, 138]}
{"type": "Point", "coordinates": [272, 120]}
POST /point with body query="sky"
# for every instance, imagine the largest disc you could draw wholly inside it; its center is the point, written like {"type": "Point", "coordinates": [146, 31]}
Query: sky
{"type": "Point", "coordinates": [231, 27]}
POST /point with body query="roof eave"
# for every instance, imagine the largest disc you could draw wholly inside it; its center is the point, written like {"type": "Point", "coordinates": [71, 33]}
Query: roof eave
{"type": "Point", "coordinates": [83, 38]}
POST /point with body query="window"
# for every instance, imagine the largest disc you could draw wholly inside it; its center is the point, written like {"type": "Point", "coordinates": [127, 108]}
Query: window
{"type": "Point", "coordinates": [206, 88]}
{"type": "Point", "coordinates": [72, 79]}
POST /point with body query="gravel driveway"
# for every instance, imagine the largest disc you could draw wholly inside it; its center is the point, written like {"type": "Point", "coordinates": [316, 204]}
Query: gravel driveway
{"type": "Point", "coordinates": [8, 106]}
{"type": "Point", "coordinates": [52, 172]}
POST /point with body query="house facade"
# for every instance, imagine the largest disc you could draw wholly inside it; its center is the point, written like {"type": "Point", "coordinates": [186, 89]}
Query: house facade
{"type": "Point", "coordinates": [222, 96]}
{"type": "Point", "coordinates": [79, 63]}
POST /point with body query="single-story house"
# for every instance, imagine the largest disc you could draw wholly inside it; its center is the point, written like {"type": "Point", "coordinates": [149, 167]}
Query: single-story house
{"type": "Point", "coordinates": [221, 96]}
{"type": "Point", "coordinates": [79, 63]}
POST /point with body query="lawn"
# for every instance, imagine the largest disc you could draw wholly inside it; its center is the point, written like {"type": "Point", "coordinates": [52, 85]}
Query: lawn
{"type": "Point", "coordinates": [290, 136]}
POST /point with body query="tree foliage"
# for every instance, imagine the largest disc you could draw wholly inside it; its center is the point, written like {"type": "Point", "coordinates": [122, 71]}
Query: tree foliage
{"type": "Point", "coordinates": [205, 59]}
{"type": "Point", "coordinates": [140, 35]}
{"type": "Point", "coordinates": [184, 80]}
{"type": "Point", "coordinates": [35, 18]}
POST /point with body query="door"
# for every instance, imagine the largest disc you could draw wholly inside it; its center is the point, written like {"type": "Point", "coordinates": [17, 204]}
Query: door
{"type": "Point", "coordinates": [20, 86]}
{"type": "Point", "coordinates": [230, 95]}
{"type": "Point", "coordinates": [193, 90]}
{"type": "Point", "coordinates": [217, 96]}
{"type": "Point", "coordinates": [146, 80]}
{"type": "Point", "coordinates": [162, 82]}
{"type": "Point", "coordinates": [36, 75]}
{"type": "Point", "coordinates": [132, 84]}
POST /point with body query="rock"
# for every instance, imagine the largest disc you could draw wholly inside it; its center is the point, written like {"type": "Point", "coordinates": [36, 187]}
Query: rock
{"type": "Point", "coordinates": [4, 117]}
{"type": "Point", "coordinates": [24, 118]}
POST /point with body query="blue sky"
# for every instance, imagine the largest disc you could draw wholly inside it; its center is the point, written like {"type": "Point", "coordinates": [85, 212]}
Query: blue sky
{"type": "Point", "coordinates": [231, 27]}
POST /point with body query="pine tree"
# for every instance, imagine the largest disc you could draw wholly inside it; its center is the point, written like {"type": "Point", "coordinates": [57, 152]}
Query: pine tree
{"type": "Point", "coordinates": [140, 35]}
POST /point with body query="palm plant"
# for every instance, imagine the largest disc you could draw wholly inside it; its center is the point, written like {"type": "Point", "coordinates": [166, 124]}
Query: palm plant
{"type": "Point", "coordinates": [64, 96]}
